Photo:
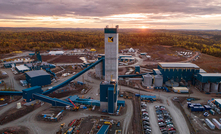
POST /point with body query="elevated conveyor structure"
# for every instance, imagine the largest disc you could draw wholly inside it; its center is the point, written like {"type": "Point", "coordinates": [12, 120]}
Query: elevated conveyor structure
{"type": "Point", "coordinates": [132, 75]}
{"type": "Point", "coordinates": [53, 101]}
{"type": "Point", "coordinates": [72, 78]}
{"type": "Point", "coordinates": [11, 93]}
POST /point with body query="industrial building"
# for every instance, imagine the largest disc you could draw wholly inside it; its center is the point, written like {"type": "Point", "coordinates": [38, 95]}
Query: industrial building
{"type": "Point", "coordinates": [177, 71]}
{"type": "Point", "coordinates": [108, 96]}
{"type": "Point", "coordinates": [108, 88]}
{"type": "Point", "coordinates": [40, 65]}
{"type": "Point", "coordinates": [22, 68]}
{"type": "Point", "coordinates": [38, 78]}
{"type": "Point", "coordinates": [56, 53]}
{"type": "Point", "coordinates": [111, 53]}
{"type": "Point", "coordinates": [208, 82]}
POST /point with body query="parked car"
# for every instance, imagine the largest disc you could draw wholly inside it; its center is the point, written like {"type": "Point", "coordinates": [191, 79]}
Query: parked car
{"type": "Point", "coordinates": [143, 110]}
{"type": "Point", "coordinates": [160, 120]}
{"type": "Point", "coordinates": [157, 107]}
{"type": "Point", "coordinates": [161, 124]}
{"type": "Point", "coordinates": [170, 125]}
{"type": "Point", "coordinates": [146, 127]}
{"type": "Point", "coordinates": [167, 120]}
{"type": "Point", "coordinates": [172, 132]}
{"type": "Point", "coordinates": [146, 123]}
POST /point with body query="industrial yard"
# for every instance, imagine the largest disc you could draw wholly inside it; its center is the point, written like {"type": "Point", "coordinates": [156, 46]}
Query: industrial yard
{"type": "Point", "coordinates": [159, 89]}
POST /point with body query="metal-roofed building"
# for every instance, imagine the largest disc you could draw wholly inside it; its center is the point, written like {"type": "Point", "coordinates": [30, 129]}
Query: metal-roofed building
{"type": "Point", "coordinates": [40, 65]}
{"type": "Point", "coordinates": [209, 77]}
{"type": "Point", "coordinates": [38, 78]}
{"type": "Point", "coordinates": [209, 82]}
{"type": "Point", "coordinates": [178, 71]}
{"type": "Point", "coordinates": [56, 53]}
{"type": "Point", "coordinates": [22, 68]}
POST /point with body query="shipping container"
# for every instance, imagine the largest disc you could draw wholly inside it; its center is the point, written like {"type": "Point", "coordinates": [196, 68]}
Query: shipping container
{"type": "Point", "coordinates": [207, 107]}
{"type": "Point", "coordinates": [217, 110]}
{"type": "Point", "coordinates": [198, 108]}
{"type": "Point", "coordinates": [212, 112]}
{"type": "Point", "coordinates": [210, 124]}
{"type": "Point", "coordinates": [216, 123]}
{"type": "Point", "coordinates": [196, 104]}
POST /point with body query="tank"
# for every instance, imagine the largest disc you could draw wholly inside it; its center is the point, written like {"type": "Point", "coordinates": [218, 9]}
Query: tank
{"type": "Point", "coordinates": [214, 87]}
{"type": "Point", "coordinates": [147, 80]}
{"type": "Point", "coordinates": [172, 83]}
{"type": "Point", "coordinates": [216, 123]}
{"type": "Point", "coordinates": [210, 124]}
{"type": "Point", "coordinates": [158, 81]}
{"type": "Point", "coordinates": [206, 87]}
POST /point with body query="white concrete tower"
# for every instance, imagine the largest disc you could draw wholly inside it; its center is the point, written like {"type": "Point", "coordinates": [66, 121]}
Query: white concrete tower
{"type": "Point", "coordinates": [111, 53]}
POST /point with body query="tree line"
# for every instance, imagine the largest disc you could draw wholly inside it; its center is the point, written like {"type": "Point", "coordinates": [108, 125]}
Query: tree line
{"type": "Point", "coordinates": [208, 42]}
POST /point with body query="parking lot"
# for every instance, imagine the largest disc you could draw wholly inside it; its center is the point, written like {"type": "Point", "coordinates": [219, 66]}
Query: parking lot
{"type": "Point", "coordinates": [145, 118]}
{"type": "Point", "coordinates": [165, 121]}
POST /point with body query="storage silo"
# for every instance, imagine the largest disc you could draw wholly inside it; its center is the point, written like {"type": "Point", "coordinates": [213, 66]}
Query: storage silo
{"type": "Point", "coordinates": [147, 80]}
{"type": "Point", "coordinates": [158, 81]}
{"type": "Point", "coordinates": [207, 87]}
{"type": "Point", "coordinates": [214, 87]}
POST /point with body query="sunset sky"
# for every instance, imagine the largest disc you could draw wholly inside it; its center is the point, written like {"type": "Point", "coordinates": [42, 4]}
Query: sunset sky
{"type": "Point", "coordinates": [154, 14]}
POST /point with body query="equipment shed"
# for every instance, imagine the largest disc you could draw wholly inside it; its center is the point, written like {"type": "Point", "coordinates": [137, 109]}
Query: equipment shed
{"type": "Point", "coordinates": [180, 90]}
{"type": "Point", "coordinates": [38, 78]}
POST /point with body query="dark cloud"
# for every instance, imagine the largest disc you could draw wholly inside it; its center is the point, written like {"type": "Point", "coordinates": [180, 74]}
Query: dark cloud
{"type": "Point", "coordinates": [105, 8]}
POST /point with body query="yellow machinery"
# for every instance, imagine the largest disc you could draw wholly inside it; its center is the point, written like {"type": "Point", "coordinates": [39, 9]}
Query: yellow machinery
{"type": "Point", "coordinates": [107, 123]}
{"type": "Point", "coordinates": [75, 108]}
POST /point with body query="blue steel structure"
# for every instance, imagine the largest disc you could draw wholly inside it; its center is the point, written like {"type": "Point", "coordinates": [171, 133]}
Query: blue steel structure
{"type": "Point", "coordinates": [137, 69]}
{"type": "Point", "coordinates": [11, 93]}
{"type": "Point", "coordinates": [178, 73]}
{"type": "Point", "coordinates": [103, 129]}
{"type": "Point", "coordinates": [111, 106]}
{"type": "Point", "coordinates": [53, 101]}
{"type": "Point", "coordinates": [209, 77]}
{"type": "Point", "coordinates": [36, 92]}
{"type": "Point", "coordinates": [38, 78]}
{"type": "Point", "coordinates": [72, 78]}
{"type": "Point", "coordinates": [108, 96]}
{"type": "Point", "coordinates": [28, 93]}
{"type": "Point", "coordinates": [132, 75]}
{"type": "Point", "coordinates": [84, 101]}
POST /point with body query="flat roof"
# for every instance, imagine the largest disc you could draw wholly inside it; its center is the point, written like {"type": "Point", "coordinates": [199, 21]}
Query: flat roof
{"type": "Point", "coordinates": [177, 65]}
{"type": "Point", "coordinates": [218, 100]}
{"type": "Point", "coordinates": [157, 71]}
{"type": "Point", "coordinates": [103, 129]}
{"type": "Point", "coordinates": [210, 74]}
{"type": "Point", "coordinates": [202, 71]}
{"type": "Point", "coordinates": [127, 58]}
{"type": "Point", "coordinates": [56, 52]}
{"type": "Point", "coordinates": [36, 73]}
{"type": "Point", "coordinates": [180, 88]}
{"type": "Point", "coordinates": [22, 68]}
